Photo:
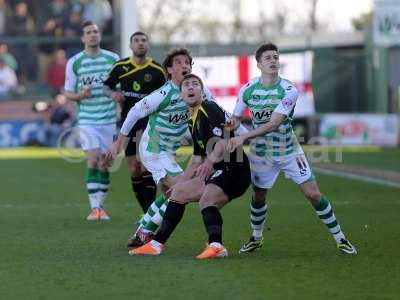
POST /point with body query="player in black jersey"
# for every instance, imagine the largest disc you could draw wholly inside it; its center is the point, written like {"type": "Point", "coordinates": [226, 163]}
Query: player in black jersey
{"type": "Point", "coordinates": [137, 76]}
{"type": "Point", "coordinates": [219, 176]}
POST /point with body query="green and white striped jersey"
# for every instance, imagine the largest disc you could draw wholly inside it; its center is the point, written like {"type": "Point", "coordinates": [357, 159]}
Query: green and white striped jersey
{"type": "Point", "coordinates": [168, 118]}
{"type": "Point", "coordinates": [84, 70]}
{"type": "Point", "coordinates": [262, 102]}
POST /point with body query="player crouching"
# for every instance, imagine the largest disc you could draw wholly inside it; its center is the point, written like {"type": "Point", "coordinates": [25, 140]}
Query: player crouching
{"type": "Point", "coordinates": [220, 176]}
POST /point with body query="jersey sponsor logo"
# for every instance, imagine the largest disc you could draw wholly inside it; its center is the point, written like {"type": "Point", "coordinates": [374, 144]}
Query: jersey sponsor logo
{"type": "Point", "coordinates": [217, 131]}
{"type": "Point", "coordinates": [148, 77]}
{"type": "Point", "coordinates": [255, 97]}
{"type": "Point", "coordinates": [94, 79]}
{"type": "Point", "coordinates": [289, 88]}
{"type": "Point", "coordinates": [134, 95]}
{"type": "Point", "coordinates": [136, 86]}
{"type": "Point", "coordinates": [174, 99]}
{"type": "Point", "coordinates": [262, 115]}
{"type": "Point", "coordinates": [164, 93]}
{"type": "Point", "coordinates": [200, 143]}
{"type": "Point", "coordinates": [178, 118]}
{"type": "Point", "coordinates": [216, 174]}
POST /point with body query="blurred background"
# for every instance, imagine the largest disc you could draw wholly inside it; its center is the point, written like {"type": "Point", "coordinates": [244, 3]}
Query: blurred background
{"type": "Point", "coordinates": [344, 57]}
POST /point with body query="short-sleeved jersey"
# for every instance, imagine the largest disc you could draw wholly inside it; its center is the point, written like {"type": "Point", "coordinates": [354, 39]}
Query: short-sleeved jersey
{"type": "Point", "coordinates": [168, 118]}
{"type": "Point", "coordinates": [84, 70]}
{"type": "Point", "coordinates": [136, 81]}
{"type": "Point", "coordinates": [207, 128]}
{"type": "Point", "coordinates": [262, 102]}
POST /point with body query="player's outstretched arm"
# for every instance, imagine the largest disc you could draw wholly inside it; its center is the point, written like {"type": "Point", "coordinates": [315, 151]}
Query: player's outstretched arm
{"type": "Point", "coordinates": [142, 109]}
{"type": "Point", "coordinates": [115, 149]}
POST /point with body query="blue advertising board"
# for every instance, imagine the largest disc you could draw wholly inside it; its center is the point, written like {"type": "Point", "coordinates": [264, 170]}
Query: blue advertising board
{"type": "Point", "coordinates": [16, 133]}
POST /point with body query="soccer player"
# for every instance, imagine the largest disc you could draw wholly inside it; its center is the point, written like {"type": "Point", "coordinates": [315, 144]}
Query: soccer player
{"type": "Point", "coordinates": [220, 179]}
{"type": "Point", "coordinates": [138, 76]}
{"type": "Point", "coordinates": [85, 73]}
{"type": "Point", "coordinates": [168, 123]}
{"type": "Point", "coordinates": [271, 100]}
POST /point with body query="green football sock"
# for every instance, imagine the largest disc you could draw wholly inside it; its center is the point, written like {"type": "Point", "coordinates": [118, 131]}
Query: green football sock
{"type": "Point", "coordinates": [154, 215]}
{"type": "Point", "coordinates": [326, 215]}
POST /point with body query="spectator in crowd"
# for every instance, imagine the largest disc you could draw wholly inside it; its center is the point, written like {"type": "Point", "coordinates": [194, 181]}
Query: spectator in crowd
{"type": "Point", "coordinates": [60, 117]}
{"type": "Point", "coordinates": [51, 25]}
{"type": "Point", "coordinates": [73, 29]}
{"type": "Point", "coordinates": [49, 28]}
{"type": "Point", "coordinates": [23, 25]}
{"type": "Point", "coordinates": [59, 12]}
{"type": "Point", "coordinates": [5, 15]}
{"type": "Point", "coordinates": [98, 11]}
{"type": "Point", "coordinates": [51, 20]}
{"type": "Point", "coordinates": [56, 72]}
{"type": "Point", "coordinates": [8, 80]}
{"type": "Point", "coordinates": [8, 57]}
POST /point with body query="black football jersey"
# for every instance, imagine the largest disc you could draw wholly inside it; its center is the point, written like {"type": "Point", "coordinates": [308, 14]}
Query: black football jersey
{"type": "Point", "coordinates": [207, 127]}
{"type": "Point", "coordinates": [136, 81]}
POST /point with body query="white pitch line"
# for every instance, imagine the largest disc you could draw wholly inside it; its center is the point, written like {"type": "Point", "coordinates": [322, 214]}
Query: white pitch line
{"type": "Point", "coordinates": [357, 177]}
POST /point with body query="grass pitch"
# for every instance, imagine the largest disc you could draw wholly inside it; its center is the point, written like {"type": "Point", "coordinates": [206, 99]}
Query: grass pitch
{"type": "Point", "coordinates": [49, 251]}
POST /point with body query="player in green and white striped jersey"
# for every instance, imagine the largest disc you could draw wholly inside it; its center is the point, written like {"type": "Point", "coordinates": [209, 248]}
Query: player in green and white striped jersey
{"type": "Point", "coordinates": [85, 73]}
{"type": "Point", "coordinates": [167, 126]}
{"type": "Point", "coordinates": [271, 100]}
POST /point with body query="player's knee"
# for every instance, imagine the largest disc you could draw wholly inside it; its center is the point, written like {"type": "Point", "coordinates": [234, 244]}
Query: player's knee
{"type": "Point", "coordinates": [178, 194]}
{"type": "Point", "coordinates": [205, 203]}
{"type": "Point", "coordinates": [218, 201]}
{"type": "Point", "coordinates": [134, 171]}
{"type": "Point", "coordinates": [92, 162]}
{"type": "Point", "coordinates": [134, 168]}
{"type": "Point", "coordinates": [313, 195]}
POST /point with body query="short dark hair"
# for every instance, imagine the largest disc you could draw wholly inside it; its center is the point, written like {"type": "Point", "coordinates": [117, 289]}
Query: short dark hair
{"type": "Point", "coordinates": [175, 52]}
{"type": "Point", "coordinates": [191, 75]}
{"type": "Point", "coordinates": [138, 33]}
{"type": "Point", "coordinates": [263, 48]}
{"type": "Point", "coordinates": [86, 24]}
